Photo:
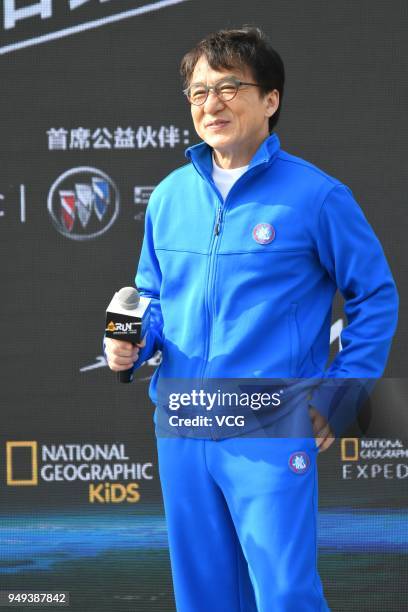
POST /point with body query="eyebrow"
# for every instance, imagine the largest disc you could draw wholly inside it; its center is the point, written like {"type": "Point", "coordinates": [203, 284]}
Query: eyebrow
{"type": "Point", "coordinates": [228, 76]}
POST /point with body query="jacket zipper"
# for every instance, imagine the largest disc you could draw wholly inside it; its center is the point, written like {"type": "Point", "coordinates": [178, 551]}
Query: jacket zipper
{"type": "Point", "coordinates": [210, 285]}
{"type": "Point", "coordinates": [209, 299]}
{"type": "Point", "coordinates": [218, 220]}
{"type": "Point", "coordinates": [294, 341]}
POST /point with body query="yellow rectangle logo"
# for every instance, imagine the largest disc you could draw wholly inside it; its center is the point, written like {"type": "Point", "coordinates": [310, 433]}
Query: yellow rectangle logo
{"type": "Point", "coordinates": [349, 449]}
{"type": "Point", "coordinates": [34, 463]}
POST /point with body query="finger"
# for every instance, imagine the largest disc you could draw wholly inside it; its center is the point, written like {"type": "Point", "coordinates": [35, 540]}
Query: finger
{"type": "Point", "coordinates": [319, 443]}
{"type": "Point", "coordinates": [118, 344]}
{"type": "Point", "coordinates": [122, 361]}
{"type": "Point", "coordinates": [318, 421]}
{"type": "Point", "coordinates": [321, 435]}
{"type": "Point", "coordinates": [326, 443]}
{"type": "Point", "coordinates": [122, 349]}
{"type": "Point", "coordinates": [323, 432]}
{"type": "Point", "coordinates": [119, 363]}
{"type": "Point", "coordinates": [135, 353]}
{"type": "Point", "coordinates": [121, 352]}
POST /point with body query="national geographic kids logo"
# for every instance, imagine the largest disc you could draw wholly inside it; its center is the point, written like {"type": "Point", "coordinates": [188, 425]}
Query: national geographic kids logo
{"type": "Point", "coordinates": [365, 459]}
{"type": "Point", "coordinates": [108, 470]}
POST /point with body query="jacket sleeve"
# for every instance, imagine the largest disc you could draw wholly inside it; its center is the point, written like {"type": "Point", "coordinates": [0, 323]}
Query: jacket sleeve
{"type": "Point", "coordinates": [353, 257]}
{"type": "Point", "coordinates": [148, 282]}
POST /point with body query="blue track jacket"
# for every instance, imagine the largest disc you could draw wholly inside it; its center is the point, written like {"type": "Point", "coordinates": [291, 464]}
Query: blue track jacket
{"type": "Point", "coordinates": [225, 305]}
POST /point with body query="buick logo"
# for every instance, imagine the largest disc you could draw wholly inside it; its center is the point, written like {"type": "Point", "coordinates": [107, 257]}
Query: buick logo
{"type": "Point", "coordinates": [83, 203]}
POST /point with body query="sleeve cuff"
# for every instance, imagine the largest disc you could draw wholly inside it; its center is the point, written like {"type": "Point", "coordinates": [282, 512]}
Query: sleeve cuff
{"type": "Point", "coordinates": [340, 400]}
{"type": "Point", "coordinates": [147, 351]}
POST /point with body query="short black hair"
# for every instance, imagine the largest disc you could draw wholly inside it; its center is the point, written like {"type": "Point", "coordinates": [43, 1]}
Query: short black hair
{"type": "Point", "coordinates": [247, 47]}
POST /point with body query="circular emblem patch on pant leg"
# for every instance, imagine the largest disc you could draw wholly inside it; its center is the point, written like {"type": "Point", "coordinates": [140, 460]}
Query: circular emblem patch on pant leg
{"type": "Point", "coordinates": [299, 462]}
{"type": "Point", "coordinates": [263, 233]}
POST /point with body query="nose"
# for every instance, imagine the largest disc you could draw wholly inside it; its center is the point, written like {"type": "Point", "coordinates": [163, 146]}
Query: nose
{"type": "Point", "coordinates": [213, 102]}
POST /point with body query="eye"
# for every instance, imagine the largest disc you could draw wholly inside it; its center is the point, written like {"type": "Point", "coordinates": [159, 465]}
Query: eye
{"type": "Point", "coordinates": [197, 92]}
{"type": "Point", "coordinates": [226, 87]}
{"type": "Point", "coordinates": [227, 90]}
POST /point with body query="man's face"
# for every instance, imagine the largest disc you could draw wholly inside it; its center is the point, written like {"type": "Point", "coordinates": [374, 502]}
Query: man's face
{"type": "Point", "coordinates": [242, 123]}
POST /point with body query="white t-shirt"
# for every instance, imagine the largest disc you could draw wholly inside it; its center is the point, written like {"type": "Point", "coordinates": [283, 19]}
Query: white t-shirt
{"type": "Point", "coordinates": [224, 179]}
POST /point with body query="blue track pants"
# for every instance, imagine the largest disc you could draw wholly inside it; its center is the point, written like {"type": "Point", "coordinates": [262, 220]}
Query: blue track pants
{"type": "Point", "coordinates": [241, 516]}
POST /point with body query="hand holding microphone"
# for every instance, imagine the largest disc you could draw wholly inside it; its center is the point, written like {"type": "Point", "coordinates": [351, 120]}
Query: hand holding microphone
{"type": "Point", "coordinates": [127, 321]}
{"type": "Point", "coordinates": [122, 355]}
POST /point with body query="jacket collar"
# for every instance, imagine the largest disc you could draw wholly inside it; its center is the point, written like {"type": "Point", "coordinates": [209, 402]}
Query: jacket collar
{"type": "Point", "coordinates": [201, 154]}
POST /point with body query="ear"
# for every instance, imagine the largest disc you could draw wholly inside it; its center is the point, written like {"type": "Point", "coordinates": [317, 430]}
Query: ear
{"type": "Point", "coordinates": [271, 101]}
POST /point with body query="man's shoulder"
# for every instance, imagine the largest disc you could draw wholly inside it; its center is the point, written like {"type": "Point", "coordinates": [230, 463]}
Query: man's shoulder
{"type": "Point", "coordinates": [169, 186]}
{"type": "Point", "coordinates": [301, 167]}
{"type": "Point", "coordinates": [175, 177]}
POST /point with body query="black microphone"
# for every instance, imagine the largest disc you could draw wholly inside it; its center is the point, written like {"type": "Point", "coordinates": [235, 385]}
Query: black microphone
{"type": "Point", "coordinates": [127, 319]}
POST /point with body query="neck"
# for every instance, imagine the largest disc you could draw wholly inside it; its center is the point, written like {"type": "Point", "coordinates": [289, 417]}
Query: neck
{"type": "Point", "coordinates": [221, 166]}
{"type": "Point", "coordinates": [228, 159]}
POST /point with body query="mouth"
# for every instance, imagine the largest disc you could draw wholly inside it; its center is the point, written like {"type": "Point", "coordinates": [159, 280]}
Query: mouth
{"type": "Point", "coordinates": [216, 125]}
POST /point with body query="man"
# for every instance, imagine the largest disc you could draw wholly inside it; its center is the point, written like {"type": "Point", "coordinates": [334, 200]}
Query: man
{"type": "Point", "coordinates": [243, 252]}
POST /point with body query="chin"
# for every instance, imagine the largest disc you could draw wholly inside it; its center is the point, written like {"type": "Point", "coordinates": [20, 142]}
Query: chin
{"type": "Point", "coordinates": [217, 140]}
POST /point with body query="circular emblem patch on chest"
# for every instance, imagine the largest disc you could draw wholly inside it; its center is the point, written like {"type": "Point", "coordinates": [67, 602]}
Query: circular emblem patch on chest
{"type": "Point", "coordinates": [299, 462]}
{"type": "Point", "coordinates": [263, 233]}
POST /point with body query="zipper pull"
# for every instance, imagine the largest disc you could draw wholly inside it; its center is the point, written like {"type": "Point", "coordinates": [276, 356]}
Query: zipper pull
{"type": "Point", "coordinates": [218, 222]}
